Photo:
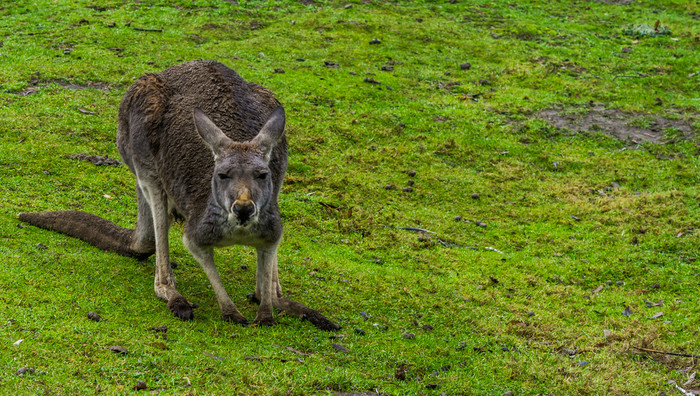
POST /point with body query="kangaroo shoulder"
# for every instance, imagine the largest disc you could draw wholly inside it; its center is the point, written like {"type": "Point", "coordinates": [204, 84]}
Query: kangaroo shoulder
{"type": "Point", "coordinates": [146, 100]}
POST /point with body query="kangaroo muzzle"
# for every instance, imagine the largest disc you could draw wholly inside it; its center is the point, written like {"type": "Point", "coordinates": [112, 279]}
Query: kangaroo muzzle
{"type": "Point", "coordinates": [244, 208]}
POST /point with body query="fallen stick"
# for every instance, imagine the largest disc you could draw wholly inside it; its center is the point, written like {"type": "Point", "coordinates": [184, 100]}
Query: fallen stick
{"type": "Point", "coordinates": [416, 229]}
{"type": "Point", "coordinates": [148, 30]}
{"type": "Point", "coordinates": [667, 353]}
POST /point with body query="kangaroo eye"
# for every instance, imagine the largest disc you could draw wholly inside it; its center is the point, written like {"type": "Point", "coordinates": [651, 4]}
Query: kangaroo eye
{"type": "Point", "coordinates": [223, 176]}
{"type": "Point", "coordinates": [262, 176]}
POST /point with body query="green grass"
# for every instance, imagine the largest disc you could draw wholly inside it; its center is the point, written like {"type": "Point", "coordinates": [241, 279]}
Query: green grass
{"type": "Point", "coordinates": [560, 227]}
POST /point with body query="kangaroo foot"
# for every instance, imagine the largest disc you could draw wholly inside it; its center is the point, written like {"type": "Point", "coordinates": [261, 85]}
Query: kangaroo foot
{"type": "Point", "coordinates": [265, 320]}
{"type": "Point", "coordinates": [234, 317]}
{"type": "Point", "coordinates": [179, 306]}
{"type": "Point", "coordinates": [320, 321]}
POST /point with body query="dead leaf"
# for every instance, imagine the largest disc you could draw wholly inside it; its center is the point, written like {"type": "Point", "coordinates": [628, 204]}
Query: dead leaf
{"type": "Point", "coordinates": [298, 352]}
{"type": "Point", "coordinates": [213, 356]}
{"type": "Point", "coordinates": [653, 304]}
{"type": "Point", "coordinates": [598, 289]}
{"type": "Point", "coordinates": [691, 378]}
{"type": "Point", "coordinates": [627, 311]}
{"type": "Point", "coordinates": [657, 315]}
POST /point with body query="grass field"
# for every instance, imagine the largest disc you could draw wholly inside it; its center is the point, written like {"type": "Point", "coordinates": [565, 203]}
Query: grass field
{"type": "Point", "coordinates": [551, 152]}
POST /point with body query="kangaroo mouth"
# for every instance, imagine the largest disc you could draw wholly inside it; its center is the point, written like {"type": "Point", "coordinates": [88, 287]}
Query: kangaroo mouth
{"type": "Point", "coordinates": [246, 214]}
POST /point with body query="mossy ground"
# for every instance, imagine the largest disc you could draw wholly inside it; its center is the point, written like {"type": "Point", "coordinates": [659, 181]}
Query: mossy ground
{"type": "Point", "coordinates": [564, 212]}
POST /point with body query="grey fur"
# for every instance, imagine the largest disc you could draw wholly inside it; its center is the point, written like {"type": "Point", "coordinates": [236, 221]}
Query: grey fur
{"type": "Point", "coordinates": [207, 146]}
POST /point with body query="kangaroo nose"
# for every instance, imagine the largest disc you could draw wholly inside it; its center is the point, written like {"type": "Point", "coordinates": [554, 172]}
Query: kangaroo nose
{"type": "Point", "coordinates": [243, 210]}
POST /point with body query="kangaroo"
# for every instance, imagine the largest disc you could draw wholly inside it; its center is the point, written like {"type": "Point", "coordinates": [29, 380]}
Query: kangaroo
{"type": "Point", "coordinates": [208, 147]}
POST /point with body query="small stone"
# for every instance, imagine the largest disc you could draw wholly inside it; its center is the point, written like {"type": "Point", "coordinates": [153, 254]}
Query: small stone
{"type": "Point", "coordinates": [484, 81]}
{"type": "Point", "coordinates": [457, 218]}
{"type": "Point", "coordinates": [348, 6]}
{"type": "Point", "coordinates": [461, 346]}
{"type": "Point", "coordinates": [465, 66]}
{"type": "Point", "coordinates": [375, 41]}
{"type": "Point", "coordinates": [244, 267]}
{"type": "Point", "coordinates": [620, 283]}
{"type": "Point", "coordinates": [111, 25]}
{"type": "Point", "coordinates": [655, 286]}
{"type": "Point", "coordinates": [446, 367]}
{"type": "Point", "coordinates": [41, 246]}
{"type": "Point", "coordinates": [160, 329]}
{"type": "Point", "coordinates": [407, 189]}
{"type": "Point", "coordinates": [409, 336]}
{"type": "Point", "coordinates": [387, 68]}
{"type": "Point", "coordinates": [530, 314]}
{"type": "Point", "coordinates": [389, 187]}
{"type": "Point", "coordinates": [94, 316]}
{"type": "Point", "coordinates": [509, 393]}
{"type": "Point", "coordinates": [609, 283]}
{"type": "Point", "coordinates": [279, 71]}
{"type": "Point", "coordinates": [340, 348]}
{"type": "Point", "coordinates": [627, 311]}
{"type": "Point", "coordinates": [411, 182]}
{"type": "Point", "coordinates": [626, 50]}
{"type": "Point", "coordinates": [475, 196]}
{"type": "Point", "coordinates": [427, 327]}
{"type": "Point", "coordinates": [119, 349]}
{"type": "Point", "coordinates": [364, 314]}
{"type": "Point", "coordinates": [24, 370]}
{"type": "Point", "coordinates": [140, 386]}
{"type": "Point", "coordinates": [300, 59]}
{"type": "Point", "coordinates": [411, 173]}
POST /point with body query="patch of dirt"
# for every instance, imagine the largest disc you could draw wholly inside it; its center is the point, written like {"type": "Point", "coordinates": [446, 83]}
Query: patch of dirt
{"type": "Point", "coordinates": [36, 83]}
{"type": "Point", "coordinates": [631, 127]}
{"type": "Point", "coordinates": [615, 2]}
{"type": "Point", "coordinates": [97, 160]}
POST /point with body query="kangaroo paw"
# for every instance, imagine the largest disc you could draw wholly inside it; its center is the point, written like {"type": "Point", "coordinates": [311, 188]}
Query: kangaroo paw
{"type": "Point", "coordinates": [265, 321]}
{"type": "Point", "coordinates": [234, 317]}
{"type": "Point", "coordinates": [320, 321]}
{"type": "Point", "coordinates": [181, 308]}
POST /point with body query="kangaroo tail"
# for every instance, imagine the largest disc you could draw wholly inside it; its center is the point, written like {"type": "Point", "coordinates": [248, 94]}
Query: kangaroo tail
{"type": "Point", "coordinates": [92, 229]}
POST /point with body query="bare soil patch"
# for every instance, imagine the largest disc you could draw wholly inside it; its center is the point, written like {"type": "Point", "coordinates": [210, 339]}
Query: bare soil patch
{"type": "Point", "coordinates": [36, 83]}
{"type": "Point", "coordinates": [630, 127]}
{"type": "Point", "coordinates": [97, 160]}
{"type": "Point", "coordinates": [615, 2]}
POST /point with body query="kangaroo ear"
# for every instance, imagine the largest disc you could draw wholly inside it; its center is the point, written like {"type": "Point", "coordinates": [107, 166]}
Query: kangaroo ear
{"type": "Point", "coordinates": [271, 132]}
{"type": "Point", "coordinates": [210, 133]}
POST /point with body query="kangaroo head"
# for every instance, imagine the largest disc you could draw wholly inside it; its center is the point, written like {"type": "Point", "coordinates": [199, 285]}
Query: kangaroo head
{"type": "Point", "coordinates": [241, 183]}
